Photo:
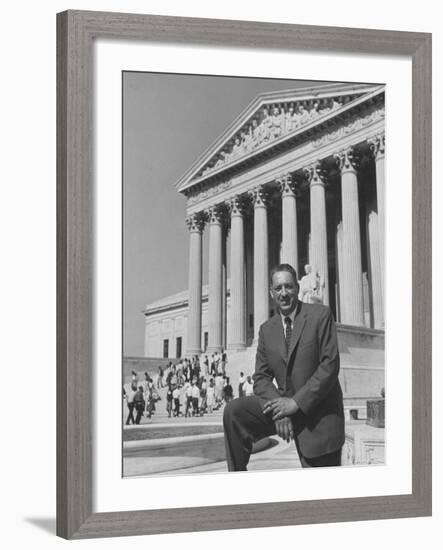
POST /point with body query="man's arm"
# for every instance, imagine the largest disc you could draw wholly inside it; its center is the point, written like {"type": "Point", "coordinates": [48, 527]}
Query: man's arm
{"type": "Point", "coordinates": [264, 387]}
{"type": "Point", "coordinates": [263, 376]}
{"type": "Point", "coordinates": [325, 375]}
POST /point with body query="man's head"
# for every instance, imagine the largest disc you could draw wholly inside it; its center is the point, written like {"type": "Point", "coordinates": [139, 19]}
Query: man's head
{"type": "Point", "coordinates": [284, 288]}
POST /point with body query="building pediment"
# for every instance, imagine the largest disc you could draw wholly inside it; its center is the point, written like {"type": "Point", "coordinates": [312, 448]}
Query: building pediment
{"type": "Point", "coordinates": [270, 121]}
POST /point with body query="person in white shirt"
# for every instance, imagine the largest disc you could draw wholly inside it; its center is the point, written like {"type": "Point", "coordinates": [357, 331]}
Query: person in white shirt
{"type": "Point", "coordinates": [176, 397]}
{"type": "Point", "coordinates": [219, 390]}
{"type": "Point", "coordinates": [210, 395]}
{"type": "Point", "coordinates": [188, 398]}
{"type": "Point", "coordinates": [248, 388]}
{"type": "Point", "coordinates": [195, 394]}
{"type": "Point", "coordinates": [203, 395]}
{"type": "Point", "coordinates": [130, 394]}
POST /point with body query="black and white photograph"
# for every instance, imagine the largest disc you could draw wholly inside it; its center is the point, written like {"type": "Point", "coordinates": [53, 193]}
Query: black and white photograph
{"type": "Point", "coordinates": [220, 295]}
{"type": "Point", "coordinates": [253, 274]}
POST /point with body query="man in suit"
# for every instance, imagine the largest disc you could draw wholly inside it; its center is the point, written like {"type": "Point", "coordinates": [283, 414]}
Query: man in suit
{"type": "Point", "coordinates": [297, 348]}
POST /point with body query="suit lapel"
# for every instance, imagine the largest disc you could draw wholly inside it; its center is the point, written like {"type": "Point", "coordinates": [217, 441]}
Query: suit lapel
{"type": "Point", "coordinates": [297, 329]}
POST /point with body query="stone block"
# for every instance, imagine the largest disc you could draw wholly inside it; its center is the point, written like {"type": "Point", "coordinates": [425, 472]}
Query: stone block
{"type": "Point", "coordinates": [363, 445]}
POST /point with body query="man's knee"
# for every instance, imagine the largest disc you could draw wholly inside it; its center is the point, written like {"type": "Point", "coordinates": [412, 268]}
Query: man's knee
{"type": "Point", "coordinates": [231, 410]}
{"type": "Point", "coordinates": [235, 409]}
{"type": "Point", "coordinates": [239, 409]}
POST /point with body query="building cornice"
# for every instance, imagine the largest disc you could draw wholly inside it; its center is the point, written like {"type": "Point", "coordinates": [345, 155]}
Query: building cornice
{"type": "Point", "coordinates": [318, 145]}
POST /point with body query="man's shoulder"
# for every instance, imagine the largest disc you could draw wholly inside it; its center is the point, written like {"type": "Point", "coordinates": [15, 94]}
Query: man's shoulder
{"type": "Point", "coordinates": [271, 322]}
{"type": "Point", "coordinates": [315, 310]}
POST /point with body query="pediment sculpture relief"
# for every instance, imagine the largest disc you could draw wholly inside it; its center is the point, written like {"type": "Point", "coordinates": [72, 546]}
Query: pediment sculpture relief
{"type": "Point", "coordinates": [270, 123]}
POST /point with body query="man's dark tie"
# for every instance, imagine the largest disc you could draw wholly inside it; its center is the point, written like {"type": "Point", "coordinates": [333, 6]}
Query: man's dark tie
{"type": "Point", "coordinates": [288, 332]}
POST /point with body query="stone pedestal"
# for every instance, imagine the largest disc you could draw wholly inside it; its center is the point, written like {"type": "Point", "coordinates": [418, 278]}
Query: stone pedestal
{"type": "Point", "coordinates": [375, 415]}
{"type": "Point", "coordinates": [363, 445]}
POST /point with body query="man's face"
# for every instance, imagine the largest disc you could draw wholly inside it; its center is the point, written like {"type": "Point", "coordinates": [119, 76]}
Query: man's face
{"type": "Point", "coordinates": [284, 292]}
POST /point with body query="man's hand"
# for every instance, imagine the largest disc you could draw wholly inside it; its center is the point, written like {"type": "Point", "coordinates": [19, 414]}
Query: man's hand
{"type": "Point", "coordinates": [280, 407]}
{"type": "Point", "coordinates": [284, 429]}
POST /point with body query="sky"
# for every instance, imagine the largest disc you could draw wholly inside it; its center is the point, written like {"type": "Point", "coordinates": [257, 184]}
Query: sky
{"type": "Point", "coordinates": [168, 121]}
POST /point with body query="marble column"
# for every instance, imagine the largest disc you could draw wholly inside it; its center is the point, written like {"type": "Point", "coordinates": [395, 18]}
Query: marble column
{"type": "Point", "coordinates": [237, 318]}
{"type": "Point", "coordinates": [318, 255]}
{"type": "Point", "coordinates": [377, 145]}
{"type": "Point", "coordinates": [375, 270]}
{"type": "Point", "coordinates": [261, 267]}
{"type": "Point", "coordinates": [340, 277]}
{"type": "Point", "coordinates": [351, 287]}
{"type": "Point", "coordinates": [215, 280]}
{"type": "Point", "coordinates": [195, 225]}
{"type": "Point", "coordinates": [249, 253]}
{"type": "Point", "coordinates": [224, 287]}
{"type": "Point", "coordinates": [289, 250]}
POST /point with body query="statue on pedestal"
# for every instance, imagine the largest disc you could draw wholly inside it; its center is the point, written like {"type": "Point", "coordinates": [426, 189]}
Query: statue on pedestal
{"type": "Point", "coordinates": [375, 411]}
{"type": "Point", "coordinates": [311, 286]}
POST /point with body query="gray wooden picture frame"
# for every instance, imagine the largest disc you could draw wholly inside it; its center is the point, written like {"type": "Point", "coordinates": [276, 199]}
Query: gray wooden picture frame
{"type": "Point", "coordinates": [76, 32]}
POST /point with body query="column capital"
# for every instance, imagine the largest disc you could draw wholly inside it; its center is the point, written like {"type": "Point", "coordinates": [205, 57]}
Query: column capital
{"type": "Point", "coordinates": [377, 146]}
{"type": "Point", "coordinates": [287, 186]}
{"type": "Point", "coordinates": [215, 214]}
{"type": "Point", "coordinates": [236, 205]}
{"type": "Point", "coordinates": [195, 222]}
{"type": "Point", "coordinates": [315, 174]}
{"type": "Point", "coordinates": [259, 196]}
{"type": "Point", "coordinates": [347, 160]}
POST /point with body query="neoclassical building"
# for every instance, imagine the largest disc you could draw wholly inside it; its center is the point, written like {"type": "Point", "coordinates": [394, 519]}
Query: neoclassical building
{"type": "Point", "coordinates": [298, 178]}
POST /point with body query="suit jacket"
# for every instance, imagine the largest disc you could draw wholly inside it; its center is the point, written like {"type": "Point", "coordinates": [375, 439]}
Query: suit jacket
{"type": "Point", "coordinates": [308, 373]}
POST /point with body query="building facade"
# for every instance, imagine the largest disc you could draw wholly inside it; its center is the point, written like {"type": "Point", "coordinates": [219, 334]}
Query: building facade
{"type": "Point", "coordinates": [297, 178]}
